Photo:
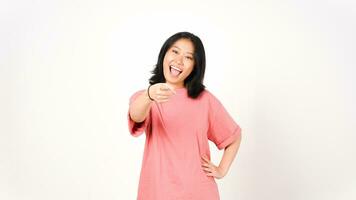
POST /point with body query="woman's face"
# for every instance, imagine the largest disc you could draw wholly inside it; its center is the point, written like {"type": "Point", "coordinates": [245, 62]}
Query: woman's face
{"type": "Point", "coordinates": [178, 62]}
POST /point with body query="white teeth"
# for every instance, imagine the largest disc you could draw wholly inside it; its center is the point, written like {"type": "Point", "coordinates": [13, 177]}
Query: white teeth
{"type": "Point", "coordinates": [176, 68]}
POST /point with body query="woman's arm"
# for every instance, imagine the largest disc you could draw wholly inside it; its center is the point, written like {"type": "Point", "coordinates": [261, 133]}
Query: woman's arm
{"type": "Point", "coordinates": [140, 108]}
{"type": "Point", "coordinates": [225, 163]}
{"type": "Point", "coordinates": [229, 156]}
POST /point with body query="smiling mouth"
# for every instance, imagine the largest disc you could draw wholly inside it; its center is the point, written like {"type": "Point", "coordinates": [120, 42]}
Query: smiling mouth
{"type": "Point", "coordinates": [175, 71]}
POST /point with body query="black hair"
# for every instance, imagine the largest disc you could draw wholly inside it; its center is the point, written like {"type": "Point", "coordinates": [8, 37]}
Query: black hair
{"type": "Point", "coordinates": [194, 82]}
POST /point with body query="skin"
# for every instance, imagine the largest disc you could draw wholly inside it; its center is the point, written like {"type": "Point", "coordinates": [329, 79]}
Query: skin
{"type": "Point", "coordinates": [229, 155]}
{"type": "Point", "coordinates": [180, 55]}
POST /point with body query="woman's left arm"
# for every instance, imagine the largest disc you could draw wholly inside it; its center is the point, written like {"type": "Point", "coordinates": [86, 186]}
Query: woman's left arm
{"type": "Point", "coordinates": [225, 163]}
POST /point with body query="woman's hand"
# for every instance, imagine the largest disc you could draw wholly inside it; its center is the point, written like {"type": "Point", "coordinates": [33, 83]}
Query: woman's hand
{"type": "Point", "coordinates": [161, 92]}
{"type": "Point", "coordinates": [211, 170]}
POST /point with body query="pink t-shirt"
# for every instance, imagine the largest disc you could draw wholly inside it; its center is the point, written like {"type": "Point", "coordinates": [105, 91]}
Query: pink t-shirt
{"type": "Point", "coordinates": [177, 134]}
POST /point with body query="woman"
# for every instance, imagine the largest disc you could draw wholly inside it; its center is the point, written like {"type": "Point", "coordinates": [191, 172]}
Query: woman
{"type": "Point", "coordinates": [179, 116]}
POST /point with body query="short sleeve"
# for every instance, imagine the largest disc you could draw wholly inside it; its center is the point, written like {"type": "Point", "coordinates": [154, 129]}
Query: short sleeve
{"type": "Point", "coordinates": [223, 130]}
{"type": "Point", "coordinates": [136, 129]}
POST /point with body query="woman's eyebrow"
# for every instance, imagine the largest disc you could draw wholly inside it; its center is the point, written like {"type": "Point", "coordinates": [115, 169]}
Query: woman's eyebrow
{"type": "Point", "coordinates": [181, 49]}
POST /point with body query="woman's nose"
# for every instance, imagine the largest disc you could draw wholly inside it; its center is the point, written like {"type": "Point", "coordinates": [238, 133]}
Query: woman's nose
{"type": "Point", "coordinates": [179, 59]}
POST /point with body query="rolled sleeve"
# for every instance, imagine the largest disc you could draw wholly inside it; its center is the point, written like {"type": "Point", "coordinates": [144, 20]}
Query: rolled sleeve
{"type": "Point", "coordinates": [223, 130]}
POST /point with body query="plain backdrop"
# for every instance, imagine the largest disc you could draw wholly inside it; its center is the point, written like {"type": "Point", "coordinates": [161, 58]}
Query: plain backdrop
{"type": "Point", "coordinates": [284, 69]}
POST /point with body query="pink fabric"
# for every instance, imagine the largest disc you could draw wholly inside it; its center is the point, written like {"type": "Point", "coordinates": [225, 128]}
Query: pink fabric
{"type": "Point", "coordinates": [177, 134]}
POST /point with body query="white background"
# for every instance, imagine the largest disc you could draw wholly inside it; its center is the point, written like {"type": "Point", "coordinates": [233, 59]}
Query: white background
{"type": "Point", "coordinates": [285, 70]}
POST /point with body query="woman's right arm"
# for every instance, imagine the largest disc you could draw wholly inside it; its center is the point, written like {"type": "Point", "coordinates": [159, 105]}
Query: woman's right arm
{"type": "Point", "coordinates": [141, 106]}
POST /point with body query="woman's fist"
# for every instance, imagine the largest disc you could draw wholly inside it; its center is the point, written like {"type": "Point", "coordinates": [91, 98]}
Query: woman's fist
{"type": "Point", "coordinates": [160, 92]}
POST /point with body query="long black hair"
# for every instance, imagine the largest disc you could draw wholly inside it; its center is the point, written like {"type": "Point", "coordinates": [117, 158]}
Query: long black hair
{"type": "Point", "coordinates": [194, 82]}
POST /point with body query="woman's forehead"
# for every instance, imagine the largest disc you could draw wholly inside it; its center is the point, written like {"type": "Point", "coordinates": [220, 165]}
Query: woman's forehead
{"type": "Point", "coordinates": [184, 45]}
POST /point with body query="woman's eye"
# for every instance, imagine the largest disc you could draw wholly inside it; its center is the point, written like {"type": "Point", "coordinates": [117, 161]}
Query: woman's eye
{"type": "Point", "coordinates": [189, 58]}
{"type": "Point", "coordinates": [175, 51]}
